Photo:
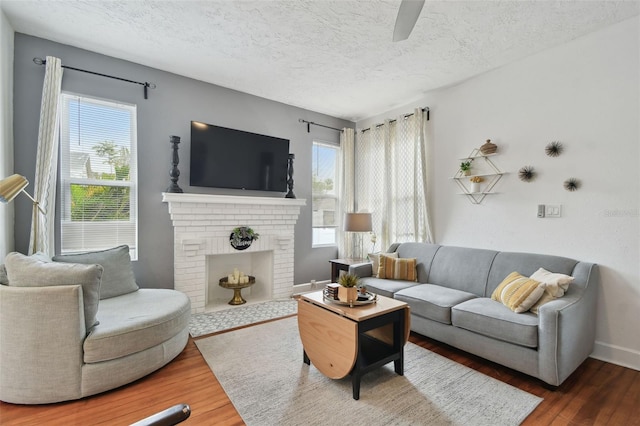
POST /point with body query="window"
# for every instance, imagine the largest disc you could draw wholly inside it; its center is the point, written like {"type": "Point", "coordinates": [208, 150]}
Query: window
{"type": "Point", "coordinates": [98, 161]}
{"type": "Point", "coordinates": [324, 190]}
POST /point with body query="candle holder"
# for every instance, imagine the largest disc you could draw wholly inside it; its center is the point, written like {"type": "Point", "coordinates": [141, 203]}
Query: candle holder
{"type": "Point", "coordinates": [174, 173]}
{"type": "Point", "coordinates": [290, 194]}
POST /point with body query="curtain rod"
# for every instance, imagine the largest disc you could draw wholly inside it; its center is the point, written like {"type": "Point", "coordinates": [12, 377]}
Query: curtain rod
{"type": "Point", "coordinates": [145, 85]}
{"type": "Point", "coordinates": [311, 123]}
{"type": "Point", "coordinates": [426, 109]}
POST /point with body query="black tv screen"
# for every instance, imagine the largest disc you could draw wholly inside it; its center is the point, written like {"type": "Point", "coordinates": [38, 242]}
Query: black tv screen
{"type": "Point", "coordinates": [228, 158]}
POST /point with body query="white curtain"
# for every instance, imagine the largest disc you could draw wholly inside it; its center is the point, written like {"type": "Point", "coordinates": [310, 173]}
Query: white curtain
{"type": "Point", "coordinates": [47, 160]}
{"type": "Point", "coordinates": [347, 194]}
{"type": "Point", "coordinates": [391, 179]}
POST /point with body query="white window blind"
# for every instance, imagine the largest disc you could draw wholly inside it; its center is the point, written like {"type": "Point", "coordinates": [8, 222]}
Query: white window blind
{"type": "Point", "coordinates": [99, 202]}
{"type": "Point", "coordinates": [324, 194]}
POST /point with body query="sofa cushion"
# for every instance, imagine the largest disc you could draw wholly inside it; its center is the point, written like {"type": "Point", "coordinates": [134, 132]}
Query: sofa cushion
{"type": "Point", "coordinates": [424, 253]}
{"type": "Point", "coordinates": [32, 271]}
{"type": "Point", "coordinates": [136, 321]}
{"type": "Point", "coordinates": [490, 318]}
{"type": "Point", "coordinates": [518, 293]}
{"type": "Point", "coordinates": [397, 269]}
{"type": "Point", "coordinates": [118, 278]}
{"type": "Point", "coordinates": [461, 268]}
{"type": "Point", "coordinates": [433, 302]}
{"type": "Point", "coordinates": [526, 264]}
{"type": "Point", "coordinates": [385, 287]}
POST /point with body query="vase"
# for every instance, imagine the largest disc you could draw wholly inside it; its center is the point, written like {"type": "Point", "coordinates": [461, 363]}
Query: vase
{"type": "Point", "coordinates": [347, 294]}
{"type": "Point", "coordinates": [488, 148]}
{"type": "Point", "coordinates": [475, 187]}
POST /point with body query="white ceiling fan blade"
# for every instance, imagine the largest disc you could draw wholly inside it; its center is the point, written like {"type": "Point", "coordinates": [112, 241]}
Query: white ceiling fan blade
{"type": "Point", "coordinates": [408, 14]}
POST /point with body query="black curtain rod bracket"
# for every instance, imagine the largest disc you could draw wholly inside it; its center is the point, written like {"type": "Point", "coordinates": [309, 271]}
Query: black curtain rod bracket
{"type": "Point", "coordinates": [146, 85]}
{"type": "Point", "coordinates": [311, 123]}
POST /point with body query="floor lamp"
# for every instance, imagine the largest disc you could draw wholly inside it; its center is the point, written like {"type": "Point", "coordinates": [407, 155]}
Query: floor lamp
{"type": "Point", "coordinates": [358, 222]}
{"type": "Point", "coordinates": [10, 187]}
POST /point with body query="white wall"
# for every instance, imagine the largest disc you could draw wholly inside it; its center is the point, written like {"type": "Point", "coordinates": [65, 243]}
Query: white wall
{"type": "Point", "coordinates": [585, 94]}
{"type": "Point", "coordinates": [6, 130]}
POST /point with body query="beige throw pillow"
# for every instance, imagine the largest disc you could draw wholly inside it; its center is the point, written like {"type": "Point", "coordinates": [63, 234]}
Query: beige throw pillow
{"type": "Point", "coordinates": [555, 286]}
{"type": "Point", "coordinates": [518, 293]}
{"type": "Point", "coordinates": [397, 268]}
{"type": "Point", "coordinates": [375, 260]}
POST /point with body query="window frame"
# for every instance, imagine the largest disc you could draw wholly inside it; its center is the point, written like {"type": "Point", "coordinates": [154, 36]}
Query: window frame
{"type": "Point", "coordinates": [66, 180]}
{"type": "Point", "coordinates": [336, 178]}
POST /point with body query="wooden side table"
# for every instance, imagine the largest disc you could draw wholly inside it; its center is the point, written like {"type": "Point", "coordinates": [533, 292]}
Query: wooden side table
{"type": "Point", "coordinates": [338, 265]}
{"type": "Point", "coordinates": [340, 340]}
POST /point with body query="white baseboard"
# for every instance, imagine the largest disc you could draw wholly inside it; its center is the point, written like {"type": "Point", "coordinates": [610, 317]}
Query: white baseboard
{"type": "Point", "coordinates": [618, 355]}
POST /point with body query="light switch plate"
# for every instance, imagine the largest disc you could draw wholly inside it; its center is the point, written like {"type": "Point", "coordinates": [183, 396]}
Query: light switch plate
{"type": "Point", "coordinates": [553, 210]}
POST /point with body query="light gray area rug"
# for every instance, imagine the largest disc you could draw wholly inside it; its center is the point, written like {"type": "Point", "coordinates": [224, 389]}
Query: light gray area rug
{"type": "Point", "coordinates": [261, 369]}
{"type": "Point", "coordinates": [238, 316]}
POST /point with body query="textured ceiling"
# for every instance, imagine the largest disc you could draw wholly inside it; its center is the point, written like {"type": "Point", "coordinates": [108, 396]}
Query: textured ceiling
{"type": "Point", "coordinates": [333, 57]}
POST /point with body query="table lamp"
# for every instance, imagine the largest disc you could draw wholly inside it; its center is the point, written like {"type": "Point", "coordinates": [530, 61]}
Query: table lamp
{"type": "Point", "coordinates": [10, 187]}
{"type": "Point", "coordinates": [357, 222]}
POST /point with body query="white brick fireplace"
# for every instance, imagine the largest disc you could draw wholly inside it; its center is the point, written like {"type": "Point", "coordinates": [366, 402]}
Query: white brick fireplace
{"type": "Point", "coordinates": [202, 253]}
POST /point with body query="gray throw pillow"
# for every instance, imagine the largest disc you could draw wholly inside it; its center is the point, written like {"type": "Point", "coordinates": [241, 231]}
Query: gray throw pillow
{"type": "Point", "coordinates": [29, 271]}
{"type": "Point", "coordinates": [118, 276]}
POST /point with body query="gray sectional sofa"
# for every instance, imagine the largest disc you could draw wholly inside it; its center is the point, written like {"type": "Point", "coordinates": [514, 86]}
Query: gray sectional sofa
{"type": "Point", "coordinates": [62, 338]}
{"type": "Point", "coordinates": [451, 302]}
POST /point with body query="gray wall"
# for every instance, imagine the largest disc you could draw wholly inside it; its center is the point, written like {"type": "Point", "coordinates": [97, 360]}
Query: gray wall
{"type": "Point", "coordinates": [171, 106]}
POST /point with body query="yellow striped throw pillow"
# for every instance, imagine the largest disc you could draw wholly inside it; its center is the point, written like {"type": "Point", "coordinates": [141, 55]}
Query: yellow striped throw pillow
{"type": "Point", "coordinates": [518, 293]}
{"type": "Point", "coordinates": [397, 268]}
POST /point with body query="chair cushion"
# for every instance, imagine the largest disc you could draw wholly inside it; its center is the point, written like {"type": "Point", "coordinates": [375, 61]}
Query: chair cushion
{"type": "Point", "coordinates": [118, 278]}
{"type": "Point", "coordinates": [490, 318]}
{"type": "Point", "coordinates": [433, 302]}
{"type": "Point", "coordinates": [32, 271]}
{"type": "Point", "coordinates": [136, 321]}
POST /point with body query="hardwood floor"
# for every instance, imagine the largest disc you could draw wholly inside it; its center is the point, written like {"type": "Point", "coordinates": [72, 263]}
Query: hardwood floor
{"type": "Point", "coordinates": [598, 393]}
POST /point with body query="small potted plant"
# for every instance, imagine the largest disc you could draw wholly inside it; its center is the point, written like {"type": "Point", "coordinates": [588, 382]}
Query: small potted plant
{"type": "Point", "coordinates": [465, 167]}
{"type": "Point", "coordinates": [242, 237]}
{"type": "Point", "coordinates": [475, 184]}
{"type": "Point", "coordinates": [348, 291]}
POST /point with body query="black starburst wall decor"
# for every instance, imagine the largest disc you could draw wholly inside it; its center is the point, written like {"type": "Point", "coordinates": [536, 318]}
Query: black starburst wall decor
{"type": "Point", "coordinates": [571, 184]}
{"type": "Point", "coordinates": [526, 173]}
{"type": "Point", "coordinates": [554, 149]}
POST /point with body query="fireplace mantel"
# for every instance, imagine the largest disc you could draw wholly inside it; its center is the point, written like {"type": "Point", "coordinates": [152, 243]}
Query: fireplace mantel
{"type": "Point", "coordinates": [230, 199]}
{"type": "Point", "coordinates": [201, 227]}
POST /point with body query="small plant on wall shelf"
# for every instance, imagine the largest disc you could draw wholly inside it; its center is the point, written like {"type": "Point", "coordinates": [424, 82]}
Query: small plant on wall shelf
{"type": "Point", "coordinates": [465, 167]}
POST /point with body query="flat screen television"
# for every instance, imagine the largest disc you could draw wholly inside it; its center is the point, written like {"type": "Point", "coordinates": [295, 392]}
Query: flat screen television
{"type": "Point", "coordinates": [228, 158]}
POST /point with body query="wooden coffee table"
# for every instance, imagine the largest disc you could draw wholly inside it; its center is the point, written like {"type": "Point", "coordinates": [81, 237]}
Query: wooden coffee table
{"type": "Point", "coordinates": [340, 340]}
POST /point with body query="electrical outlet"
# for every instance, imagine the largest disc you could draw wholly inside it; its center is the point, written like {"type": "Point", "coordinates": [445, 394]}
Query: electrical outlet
{"type": "Point", "coordinates": [553, 210]}
{"type": "Point", "coordinates": [541, 210]}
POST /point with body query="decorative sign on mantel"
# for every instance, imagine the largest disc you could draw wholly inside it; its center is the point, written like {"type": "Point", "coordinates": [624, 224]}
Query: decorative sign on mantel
{"type": "Point", "coordinates": [242, 237]}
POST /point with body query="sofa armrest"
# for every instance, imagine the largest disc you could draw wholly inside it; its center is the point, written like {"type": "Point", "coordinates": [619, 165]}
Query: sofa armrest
{"type": "Point", "coordinates": [41, 334]}
{"type": "Point", "coordinates": [567, 327]}
{"type": "Point", "coordinates": [361, 269]}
